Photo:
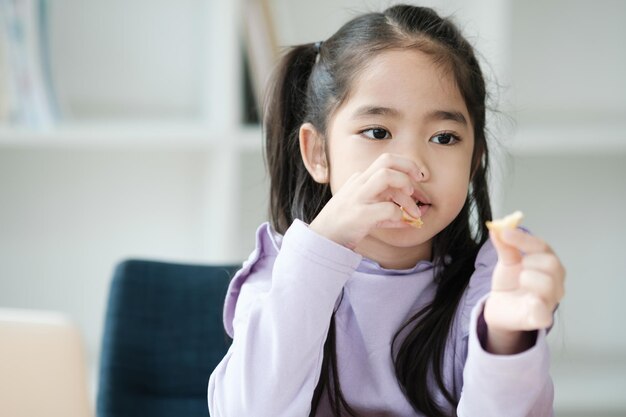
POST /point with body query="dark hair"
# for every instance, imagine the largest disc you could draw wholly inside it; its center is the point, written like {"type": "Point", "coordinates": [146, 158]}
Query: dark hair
{"type": "Point", "coordinates": [308, 86]}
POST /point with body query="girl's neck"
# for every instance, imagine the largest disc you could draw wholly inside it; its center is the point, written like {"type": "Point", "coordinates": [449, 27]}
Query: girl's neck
{"type": "Point", "coordinates": [390, 257]}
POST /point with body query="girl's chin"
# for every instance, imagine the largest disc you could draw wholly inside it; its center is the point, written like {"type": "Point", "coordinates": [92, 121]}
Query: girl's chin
{"type": "Point", "coordinates": [404, 236]}
{"type": "Point", "coordinates": [396, 248]}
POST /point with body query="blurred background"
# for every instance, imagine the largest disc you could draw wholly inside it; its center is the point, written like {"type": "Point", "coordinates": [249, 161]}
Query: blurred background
{"type": "Point", "coordinates": [144, 143]}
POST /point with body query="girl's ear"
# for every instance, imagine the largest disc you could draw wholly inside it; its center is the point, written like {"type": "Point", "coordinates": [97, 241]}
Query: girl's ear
{"type": "Point", "coordinates": [313, 153]}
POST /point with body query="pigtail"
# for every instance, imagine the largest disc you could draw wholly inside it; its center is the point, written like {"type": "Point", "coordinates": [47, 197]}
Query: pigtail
{"type": "Point", "coordinates": [285, 111]}
{"type": "Point", "coordinates": [293, 193]}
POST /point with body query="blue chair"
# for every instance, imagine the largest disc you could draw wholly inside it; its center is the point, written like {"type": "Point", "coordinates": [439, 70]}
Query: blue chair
{"type": "Point", "coordinates": [163, 337]}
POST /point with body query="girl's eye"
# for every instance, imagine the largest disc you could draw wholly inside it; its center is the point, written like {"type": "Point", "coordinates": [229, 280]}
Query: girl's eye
{"type": "Point", "coordinates": [445, 138]}
{"type": "Point", "coordinates": [376, 133]}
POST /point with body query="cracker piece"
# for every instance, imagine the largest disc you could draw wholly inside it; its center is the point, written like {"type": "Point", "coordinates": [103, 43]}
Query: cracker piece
{"type": "Point", "coordinates": [407, 218]}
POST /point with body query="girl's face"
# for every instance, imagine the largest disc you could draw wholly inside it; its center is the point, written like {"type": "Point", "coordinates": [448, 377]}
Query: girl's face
{"type": "Point", "coordinates": [405, 104]}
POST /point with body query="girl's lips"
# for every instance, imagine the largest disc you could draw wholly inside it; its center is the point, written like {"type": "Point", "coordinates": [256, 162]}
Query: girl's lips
{"type": "Point", "coordinates": [423, 208]}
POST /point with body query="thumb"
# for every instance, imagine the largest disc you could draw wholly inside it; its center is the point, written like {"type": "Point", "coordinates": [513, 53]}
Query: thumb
{"type": "Point", "coordinates": [507, 254]}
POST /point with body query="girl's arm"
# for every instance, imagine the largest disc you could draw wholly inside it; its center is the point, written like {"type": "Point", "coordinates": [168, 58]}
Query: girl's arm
{"type": "Point", "coordinates": [517, 385]}
{"type": "Point", "coordinates": [280, 327]}
{"type": "Point", "coordinates": [507, 367]}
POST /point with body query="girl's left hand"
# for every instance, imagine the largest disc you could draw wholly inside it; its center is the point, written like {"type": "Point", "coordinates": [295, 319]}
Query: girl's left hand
{"type": "Point", "coordinates": [527, 285]}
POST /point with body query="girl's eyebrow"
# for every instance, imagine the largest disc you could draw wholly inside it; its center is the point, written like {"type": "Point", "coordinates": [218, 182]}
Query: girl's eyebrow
{"type": "Point", "coordinates": [376, 111]}
{"type": "Point", "coordinates": [452, 115]}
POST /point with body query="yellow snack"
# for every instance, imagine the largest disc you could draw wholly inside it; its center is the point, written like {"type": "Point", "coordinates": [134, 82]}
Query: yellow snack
{"type": "Point", "coordinates": [509, 222]}
{"type": "Point", "coordinates": [407, 218]}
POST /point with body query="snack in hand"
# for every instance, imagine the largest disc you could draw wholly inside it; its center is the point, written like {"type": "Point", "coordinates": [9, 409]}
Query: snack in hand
{"type": "Point", "coordinates": [509, 222]}
{"type": "Point", "coordinates": [407, 218]}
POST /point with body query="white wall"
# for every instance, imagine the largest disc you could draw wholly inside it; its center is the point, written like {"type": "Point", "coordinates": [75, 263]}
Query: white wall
{"type": "Point", "coordinates": [567, 66]}
{"type": "Point", "coordinates": [568, 61]}
{"type": "Point", "coordinates": [576, 203]}
{"type": "Point", "coordinates": [66, 218]}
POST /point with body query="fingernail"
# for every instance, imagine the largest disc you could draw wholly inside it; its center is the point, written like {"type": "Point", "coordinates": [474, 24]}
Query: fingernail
{"type": "Point", "coordinates": [411, 212]}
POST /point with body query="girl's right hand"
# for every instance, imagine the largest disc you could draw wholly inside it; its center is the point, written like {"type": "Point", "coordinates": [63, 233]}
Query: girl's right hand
{"type": "Point", "coordinates": [369, 200]}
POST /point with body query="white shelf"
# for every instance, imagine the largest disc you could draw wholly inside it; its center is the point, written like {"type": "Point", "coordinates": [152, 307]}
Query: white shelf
{"type": "Point", "coordinates": [564, 139]}
{"type": "Point", "coordinates": [175, 135]}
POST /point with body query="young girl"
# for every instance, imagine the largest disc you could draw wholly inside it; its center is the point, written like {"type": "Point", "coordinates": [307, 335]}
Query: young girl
{"type": "Point", "coordinates": [344, 308]}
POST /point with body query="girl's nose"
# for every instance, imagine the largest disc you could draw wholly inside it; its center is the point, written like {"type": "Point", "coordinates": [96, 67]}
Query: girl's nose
{"type": "Point", "coordinates": [418, 154]}
{"type": "Point", "coordinates": [423, 173]}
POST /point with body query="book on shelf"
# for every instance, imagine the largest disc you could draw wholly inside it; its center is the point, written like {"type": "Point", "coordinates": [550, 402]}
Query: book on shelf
{"type": "Point", "coordinates": [260, 46]}
{"type": "Point", "coordinates": [27, 98]}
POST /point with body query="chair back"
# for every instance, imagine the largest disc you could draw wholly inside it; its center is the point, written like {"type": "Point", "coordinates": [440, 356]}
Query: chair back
{"type": "Point", "coordinates": [163, 336]}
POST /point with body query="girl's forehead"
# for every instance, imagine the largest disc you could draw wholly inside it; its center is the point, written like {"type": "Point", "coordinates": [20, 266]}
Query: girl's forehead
{"type": "Point", "coordinates": [405, 78]}
{"type": "Point", "coordinates": [405, 70]}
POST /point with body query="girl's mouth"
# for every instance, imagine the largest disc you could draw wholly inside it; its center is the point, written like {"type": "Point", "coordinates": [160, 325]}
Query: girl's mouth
{"type": "Point", "coordinates": [423, 207]}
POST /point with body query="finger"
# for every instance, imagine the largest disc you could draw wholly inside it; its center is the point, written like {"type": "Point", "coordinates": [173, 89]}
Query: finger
{"type": "Point", "coordinates": [516, 311]}
{"type": "Point", "coordinates": [384, 179]}
{"type": "Point", "coordinates": [396, 162]}
{"type": "Point", "coordinates": [506, 277]}
{"type": "Point", "coordinates": [542, 285]}
{"type": "Point", "coordinates": [507, 254]}
{"type": "Point", "coordinates": [384, 214]}
{"type": "Point", "coordinates": [525, 242]}
{"type": "Point", "coordinates": [404, 201]}
{"type": "Point", "coordinates": [538, 313]}
{"type": "Point", "coordinates": [391, 224]}
{"type": "Point", "coordinates": [548, 263]}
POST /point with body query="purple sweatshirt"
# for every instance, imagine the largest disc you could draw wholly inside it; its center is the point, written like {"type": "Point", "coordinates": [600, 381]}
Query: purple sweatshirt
{"type": "Point", "coordinates": [278, 310]}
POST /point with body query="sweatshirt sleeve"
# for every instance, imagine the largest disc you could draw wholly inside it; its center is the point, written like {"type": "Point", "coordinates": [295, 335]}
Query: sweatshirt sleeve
{"type": "Point", "coordinates": [516, 385]}
{"type": "Point", "coordinates": [279, 329]}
